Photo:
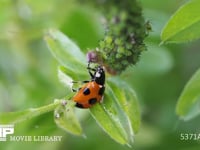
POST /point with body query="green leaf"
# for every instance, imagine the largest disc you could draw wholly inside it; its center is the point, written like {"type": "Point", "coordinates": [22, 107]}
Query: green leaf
{"type": "Point", "coordinates": [66, 119]}
{"type": "Point", "coordinates": [65, 76]}
{"type": "Point", "coordinates": [65, 51]}
{"type": "Point", "coordinates": [128, 102]}
{"type": "Point", "coordinates": [184, 25]}
{"type": "Point", "coordinates": [188, 105]}
{"type": "Point", "coordinates": [119, 114]}
{"type": "Point", "coordinates": [109, 122]}
{"type": "Point", "coordinates": [17, 117]}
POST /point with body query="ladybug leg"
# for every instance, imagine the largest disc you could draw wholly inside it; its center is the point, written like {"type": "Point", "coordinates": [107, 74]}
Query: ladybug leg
{"type": "Point", "coordinates": [91, 74]}
{"type": "Point", "coordinates": [74, 90]}
{"type": "Point", "coordinates": [78, 82]}
{"type": "Point", "coordinates": [90, 70]}
{"type": "Point", "coordinates": [85, 81]}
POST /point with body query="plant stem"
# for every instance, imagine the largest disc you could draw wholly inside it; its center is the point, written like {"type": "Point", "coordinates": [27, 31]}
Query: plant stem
{"type": "Point", "coordinates": [20, 116]}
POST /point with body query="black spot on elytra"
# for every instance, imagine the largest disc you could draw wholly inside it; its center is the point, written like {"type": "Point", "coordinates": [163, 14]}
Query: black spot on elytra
{"type": "Point", "coordinates": [86, 91]}
{"type": "Point", "coordinates": [101, 90]}
{"type": "Point", "coordinates": [92, 101]}
{"type": "Point", "coordinates": [79, 105]}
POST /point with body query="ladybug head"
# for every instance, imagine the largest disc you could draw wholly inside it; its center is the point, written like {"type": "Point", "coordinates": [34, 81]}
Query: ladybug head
{"type": "Point", "coordinates": [99, 75]}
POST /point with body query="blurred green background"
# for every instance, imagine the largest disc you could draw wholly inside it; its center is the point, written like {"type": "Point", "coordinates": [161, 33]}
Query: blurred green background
{"type": "Point", "coordinates": [28, 74]}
